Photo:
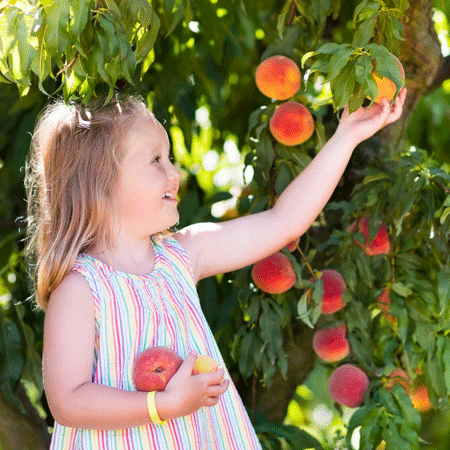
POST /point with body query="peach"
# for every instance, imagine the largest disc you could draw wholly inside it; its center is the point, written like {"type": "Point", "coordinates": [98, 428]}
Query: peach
{"type": "Point", "coordinates": [333, 288]}
{"type": "Point", "coordinates": [386, 87]}
{"type": "Point", "coordinates": [291, 124]}
{"type": "Point", "coordinates": [154, 367]}
{"type": "Point", "coordinates": [274, 274]}
{"type": "Point", "coordinates": [330, 344]}
{"type": "Point", "coordinates": [380, 244]}
{"type": "Point", "coordinates": [278, 77]}
{"type": "Point", "coordinates": [401, 377]}
{"type": "Point", "coordinates": [204, 364]}
{"type": "Point", "coordinates": [420, 398]}
{"type": "Point", "coordinates": [347, 385]}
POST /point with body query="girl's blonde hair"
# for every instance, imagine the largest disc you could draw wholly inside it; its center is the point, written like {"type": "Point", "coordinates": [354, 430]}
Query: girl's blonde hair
{"type": "Point", "coordinates": [70, 175]}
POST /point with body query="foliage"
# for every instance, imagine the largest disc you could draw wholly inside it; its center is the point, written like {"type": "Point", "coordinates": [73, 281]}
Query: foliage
{"type": "Point", "coordinates": [194, 63]}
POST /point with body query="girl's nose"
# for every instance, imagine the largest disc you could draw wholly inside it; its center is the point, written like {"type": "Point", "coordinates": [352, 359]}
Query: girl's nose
{"type": "Point", "coordinates": [173, 173]}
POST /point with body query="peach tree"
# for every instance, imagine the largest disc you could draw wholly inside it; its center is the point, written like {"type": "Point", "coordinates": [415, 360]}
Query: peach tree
{"type": "Point", "coordinates": [357, 308]}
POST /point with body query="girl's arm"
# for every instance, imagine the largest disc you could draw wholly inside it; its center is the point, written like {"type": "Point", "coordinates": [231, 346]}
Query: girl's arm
{"type": "Point", "coordinates": [222, 247]}
{"type": "Point", "coordinates": [67, 366]}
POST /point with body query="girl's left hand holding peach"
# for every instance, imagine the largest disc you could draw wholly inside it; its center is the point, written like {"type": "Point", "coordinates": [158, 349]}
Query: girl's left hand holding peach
{"type": "Point", "coordinates": [366, 121]}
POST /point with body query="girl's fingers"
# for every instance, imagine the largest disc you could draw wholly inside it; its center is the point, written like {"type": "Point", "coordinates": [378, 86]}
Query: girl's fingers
{"type": "Point", "coordinates": [218, 389]}
{"type": "Point", "coordinates": [397, 107]}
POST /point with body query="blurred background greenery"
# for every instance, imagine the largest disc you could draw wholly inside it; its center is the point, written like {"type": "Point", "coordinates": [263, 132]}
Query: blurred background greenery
{"type": "Point", "coordinates": [199, 80]}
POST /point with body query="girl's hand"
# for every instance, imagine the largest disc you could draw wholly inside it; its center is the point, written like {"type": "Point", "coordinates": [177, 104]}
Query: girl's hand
{"type": "Point", "coordinates": [365, 122]}
{"type": "Point", "coordinates": [186, 393]}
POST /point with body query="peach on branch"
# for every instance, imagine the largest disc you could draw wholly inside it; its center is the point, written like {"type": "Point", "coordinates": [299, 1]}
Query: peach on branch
{"type": "Point", "coordinates": [347, 385]}
{"type": "Point", "coordinates": [291, 124]}
{"type": "Point", "coordinates": [380, 244]}
{"type": "Point", "coordinates": [278, 77]}
{"type": "Point", "coordinates": [401, 377]}
{"type": "Point", "coordinates": [154, 367]}
{"type": "Point", "coordinates": [386, 87]}
{"type": "Point", "coordinates": [421, 399]}
{"type": "Point", "coordinates": [330, 344]}
{"type": "Point", "coordinates": [384, 301]}
{"type": "Point", "coordinates": [274, 274]}
{"type": "Point", "coordinates": [333, 288]}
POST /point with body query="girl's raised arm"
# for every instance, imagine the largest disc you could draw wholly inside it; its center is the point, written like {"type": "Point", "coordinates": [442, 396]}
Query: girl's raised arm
{"type": "Point", "coordinates": [222, 247]}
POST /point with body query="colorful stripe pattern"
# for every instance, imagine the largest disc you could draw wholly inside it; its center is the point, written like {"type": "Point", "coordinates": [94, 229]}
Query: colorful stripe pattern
{"type": "Point", "coordinates": [133, 312]}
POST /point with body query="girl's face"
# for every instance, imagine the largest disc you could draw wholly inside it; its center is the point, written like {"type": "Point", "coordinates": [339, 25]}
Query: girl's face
{"type": "Point", "coordinates": [148, 182]}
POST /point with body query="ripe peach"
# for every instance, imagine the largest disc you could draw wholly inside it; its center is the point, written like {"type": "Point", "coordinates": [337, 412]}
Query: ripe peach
{"type": "Point", "coordinates": [347, 385]}
{"type": "Point", "coordinates": [154, 367]}
{"type": "Point", "coordinates": [401, 377]}
{"type": "Point", "coordinates": [330, 344]}
{"type": "Point", "coordinates": [274, 274]}
{"type": "Point", "coordinates": [386, 87]}
{"type": "Point", "coordinates": [333, 288]}
{"type": "Point", "coordinates": [204, 364]}
{"type": "Point", "coordinates": [380, 244]}
{"type": "Point", "coordinates": [420, 398]}
{"type": "Point", "coordinates": [291, 124]}
{"type": "Point", "coordinates": [278, 77]}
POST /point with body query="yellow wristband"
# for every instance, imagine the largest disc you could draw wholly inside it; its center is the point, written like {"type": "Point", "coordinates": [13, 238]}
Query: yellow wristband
{"type": "Point", "coordinates": [151, 405]}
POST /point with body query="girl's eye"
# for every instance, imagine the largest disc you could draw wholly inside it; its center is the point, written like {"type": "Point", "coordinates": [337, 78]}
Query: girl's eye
{"type": "Point", "coordinates": [157, 159]}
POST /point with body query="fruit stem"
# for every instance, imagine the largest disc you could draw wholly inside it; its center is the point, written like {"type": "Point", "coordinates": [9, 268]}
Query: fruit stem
{"type": "Point", "coordinates": [307, 263]}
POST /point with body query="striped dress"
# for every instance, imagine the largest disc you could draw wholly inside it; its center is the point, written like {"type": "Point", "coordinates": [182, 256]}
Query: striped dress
{"type": "Point", "coordinates": [134, 312]}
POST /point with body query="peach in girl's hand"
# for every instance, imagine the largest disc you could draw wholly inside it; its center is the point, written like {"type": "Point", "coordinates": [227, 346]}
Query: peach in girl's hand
{"type": "Point", "coordinates": [204, 364]}
{"type": "Point", "coordinates": [154, 367]}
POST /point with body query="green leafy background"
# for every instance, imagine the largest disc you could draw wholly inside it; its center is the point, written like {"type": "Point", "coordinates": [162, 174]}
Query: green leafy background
{"type": "Point", "coordinates": [194, 64]}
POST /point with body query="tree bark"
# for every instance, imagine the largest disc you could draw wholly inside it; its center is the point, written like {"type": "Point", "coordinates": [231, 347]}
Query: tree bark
{"type": "Point", "coordinates": [273, 402]}
{"type": "Point", "coordinates": [18, 431]}
{"type": "Point", "coordinates": [420, 54]}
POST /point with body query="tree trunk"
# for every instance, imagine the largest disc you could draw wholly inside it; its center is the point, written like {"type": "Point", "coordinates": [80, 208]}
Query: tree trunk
{"type": "Point", "coordinates": [420, 54]}
{"type": "Point", "coordinates": [21, 432]}
{"type": "Point", "coordinates": [273, 402]}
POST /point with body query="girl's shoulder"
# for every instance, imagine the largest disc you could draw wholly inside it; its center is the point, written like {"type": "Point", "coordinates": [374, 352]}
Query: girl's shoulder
{"type": "Point", "coordinates": [172, 251]}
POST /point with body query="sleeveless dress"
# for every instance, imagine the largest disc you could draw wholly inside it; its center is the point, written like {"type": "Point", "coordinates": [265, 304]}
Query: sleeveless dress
{"type": "Point", "coordinates": [134, 312]}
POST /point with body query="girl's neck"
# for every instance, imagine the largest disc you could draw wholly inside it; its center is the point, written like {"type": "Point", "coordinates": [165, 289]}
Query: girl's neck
{"type": "Point", "coordinates": [127, 260]}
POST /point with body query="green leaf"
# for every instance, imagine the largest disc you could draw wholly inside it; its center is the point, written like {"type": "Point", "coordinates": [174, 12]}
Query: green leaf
{"type": "Point", "coordinates": [443, 289]}
{"type": "Point", "coordinates": [386, 64]}
{"type": "Point", "coordinates": [283, 179]}
{"type": "Point", "coordinates": [56, 27]}
{"type": "Point", "coordinates": [282, 17]}
{"type": "Point", "coordinates": [338, 61]}
{"type": "Point", "coordinates": [342, 87]}
{"type": "Point", "coordinates": [370, 433]}
{"type": "Point", "coordinates": [402, 289]}
{"type": "Point", "coordinates": [297, 439]}
{"type": "Point", "coordinates": [284, 45]}
{"type": "Point", "coordinates": [409, 413]}
{"type": "Point", "coordinates": [145, 44]}
{"type": "Point", "coordinates": [446, 363]}
{"type": "Point", "coordinates": [356, 100]}
{"type": "Point", "coordinates": [80, 15]}
{"type": "Point", "coordinates": [331, 48]}
{"type": "Point", "coordinates": [424, 335]}
{"type": "Point", "coordinates": [365, 31]}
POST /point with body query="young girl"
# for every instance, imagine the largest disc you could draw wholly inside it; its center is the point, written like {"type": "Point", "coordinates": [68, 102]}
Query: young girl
{"type": "Point", "coordinates": [102, 191]}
